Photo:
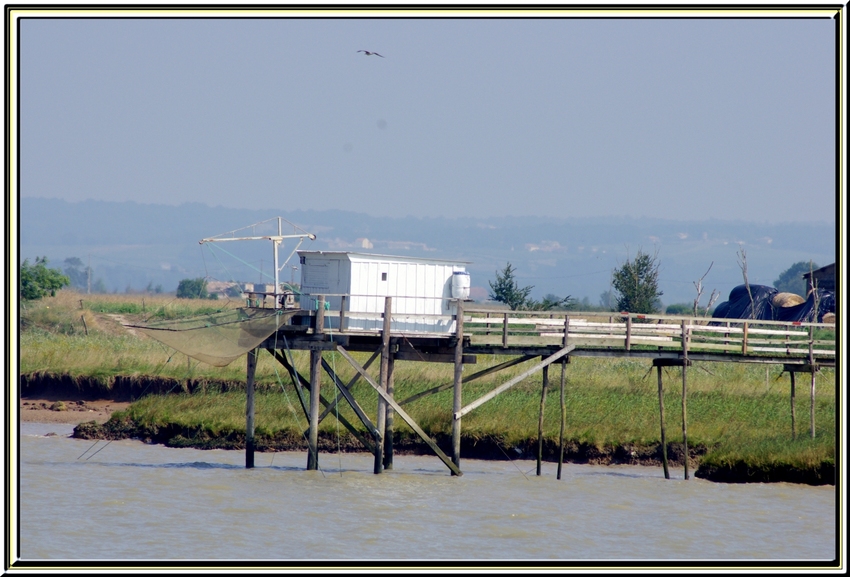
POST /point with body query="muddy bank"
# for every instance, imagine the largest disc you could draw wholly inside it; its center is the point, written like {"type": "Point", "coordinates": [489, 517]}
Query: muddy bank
{"type": "Point", "coordinates": [471, 448]}
{"type": "Point", "coordinates": [54, 387]}
{"type": "Point", "coordinates": [66, 411]}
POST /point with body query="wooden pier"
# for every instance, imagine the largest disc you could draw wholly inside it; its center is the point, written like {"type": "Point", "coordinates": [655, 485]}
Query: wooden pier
{"type": "Point", "coordinates": [541, 338]}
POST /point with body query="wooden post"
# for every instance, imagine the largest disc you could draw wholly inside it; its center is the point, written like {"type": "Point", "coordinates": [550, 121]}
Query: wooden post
{"type": "Point", "coordinates": [249, 410]}
{"type": "Point", "coordinates": [629, 333]}
{"type": "Point", "coordinates": [388, 433]}
{"type": "Point", "coordinates": [382, 403]}
{"type": "Point", "coordinates": [457, 401]}
{"type": "Point", "coordinates": [320, 316]}
{"type": "Point", "coordinates": [315, 384]}
{"type": "Point", "coordinates": [812, 409]}
{"type": "Point", "coordinates": [85, 326]}
{"type": "Point", "coordinates": [744, 340]}
{"type": "Point", "coordinates": [685, 393]}
{"type": "Point", "coordinates": [663, 427]}
{"type": "Point", "coordinates": [793, 404]}
{"type": "Point", "coordinates": [812, 366]}
{"type": "Point", "coordinates": [342, 301]}
{"type": "Point", "coordinates": [563, 413]}
{"type": "Point", "coordinates": [505, 332]}
{"type": "Point", "coordinates": [540, 420]}
{"type": "Point", "coordinates": [315, 400]}
{"type": "Point", "coordinates": [566, 331]}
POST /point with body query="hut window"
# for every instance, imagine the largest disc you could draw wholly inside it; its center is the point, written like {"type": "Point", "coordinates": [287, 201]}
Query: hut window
{"type": "Point", "coordinates": [383, 276]}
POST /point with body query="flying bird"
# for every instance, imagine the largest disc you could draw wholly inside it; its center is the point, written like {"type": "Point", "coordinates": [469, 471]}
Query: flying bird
{"type": "Point", "coordinates": [367, 53]}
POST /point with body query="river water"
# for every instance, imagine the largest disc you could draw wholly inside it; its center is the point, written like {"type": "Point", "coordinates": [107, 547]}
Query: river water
{"type": "Point", "coordinates": [126, 500]}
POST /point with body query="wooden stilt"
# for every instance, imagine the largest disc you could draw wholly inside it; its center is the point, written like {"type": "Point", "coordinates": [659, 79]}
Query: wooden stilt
{"type": "Point", "coordinates": [793, 404]}
{"type": "Point", "coordinates": [388, 432]}
{"type": "Point", "coordinates": [663, 427]}
{"type": "Point", "coordinates": [382, 404]}
{"type": "Point", "coordinates": [685, 394]}
{"type": "Point", "coordinates": [457, 401]}
{"type": "Point", "coordinates": [315, 386]}
{"type": "Point", "coordinates": [540, 420]}
{"type": "Point", "coordinates": [313, 437]}
{"type": "Point", "coordinates": [812, 408]}
{"type": "Point", "coordinates": [814, 370]}
{"type": "Point", "coordinates": [563, 417]}
{"type": "Point", "coordinates": [249, 410]}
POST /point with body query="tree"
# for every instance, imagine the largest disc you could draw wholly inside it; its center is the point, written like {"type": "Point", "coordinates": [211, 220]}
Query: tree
{"type": "Point", "coordinates": [77, 273]}
{"type": "Point", "coordinates": [711, 299]}
{"type": "Point", "coordinates": [38, 281]}
{"type": "Point", "coordinates": [506, 289]}
{"type": "Point", "coordinates": [742, 263]}
{"type": "Point", "coordinates": [792, 281]}
{"type": "Point", "coordinates": [636, 284]}
{"type": "Point", "coordinates": [550, 302]}
{"type": "Point", "coordinates": [687, 309]}
{"type": "Point", "coordinates": [192, 289]}
{"type": "Point", "coordinates": [607, 300]}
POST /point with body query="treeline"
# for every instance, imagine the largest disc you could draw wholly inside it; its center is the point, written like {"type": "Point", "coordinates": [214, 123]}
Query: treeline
{"type": "Point", "coordinates": [634, 289]}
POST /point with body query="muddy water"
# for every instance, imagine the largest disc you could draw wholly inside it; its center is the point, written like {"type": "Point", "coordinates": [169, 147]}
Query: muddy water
{"type": "Point", "coordinates": [129, 501]}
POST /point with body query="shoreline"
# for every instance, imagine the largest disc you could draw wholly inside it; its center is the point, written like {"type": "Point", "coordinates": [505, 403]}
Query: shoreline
{"type": "Point", "coordinates": [96, 412]}
{"type": "Point", "coordinates": [75, 412]}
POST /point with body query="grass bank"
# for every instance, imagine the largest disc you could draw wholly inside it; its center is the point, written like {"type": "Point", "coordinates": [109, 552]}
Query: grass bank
{"type": "Point", "coordinates": [739, 422]}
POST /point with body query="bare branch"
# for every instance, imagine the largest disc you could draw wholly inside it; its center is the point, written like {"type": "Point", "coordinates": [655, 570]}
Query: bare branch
{"type": "Point", "coordinates": [698, 285]}
{"type": "Point", "coordinates": [742, 262]}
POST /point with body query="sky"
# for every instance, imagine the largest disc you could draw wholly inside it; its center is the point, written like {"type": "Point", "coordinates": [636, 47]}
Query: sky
{"type": "Point", "coordinates": [465, 117]}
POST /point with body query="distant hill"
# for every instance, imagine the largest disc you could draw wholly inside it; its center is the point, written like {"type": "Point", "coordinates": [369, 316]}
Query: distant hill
{"type": "Point", "coordinates": [134, 245]}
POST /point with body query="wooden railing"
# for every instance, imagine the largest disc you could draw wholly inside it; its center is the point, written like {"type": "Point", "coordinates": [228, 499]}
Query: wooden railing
{"type": "Point", "coordinates": [614, 331]}
{"type": "Point", "coordinates": [628, 331]}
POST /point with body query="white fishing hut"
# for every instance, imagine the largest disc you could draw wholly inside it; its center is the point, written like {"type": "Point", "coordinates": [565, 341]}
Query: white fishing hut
{"type": "Point", "coordinates": [422, 289]}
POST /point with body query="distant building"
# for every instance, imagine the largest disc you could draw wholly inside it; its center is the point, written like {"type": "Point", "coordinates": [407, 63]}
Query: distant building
{"type": "Point", "coordinates": [823, 277]}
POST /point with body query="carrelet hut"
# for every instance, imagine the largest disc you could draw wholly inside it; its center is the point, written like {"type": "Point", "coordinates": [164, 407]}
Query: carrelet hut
{"type": "Point", "coordinates": [423, 290]}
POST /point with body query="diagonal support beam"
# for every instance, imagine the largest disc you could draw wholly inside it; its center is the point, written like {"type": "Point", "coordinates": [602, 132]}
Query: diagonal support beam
{"type": "Point", "coordinates": [301, 381]}
{"type": "Point", "coordinates": [297, 379]}
{"type": "Point", "coordinates": [470, 378]}
{"type": "Point", "coordinates": [350, 384]}
{"type": "Point", "coordinates": [351, 401]}
{"type": "Point", "coordinates": [401, 412]}
{"type": "Point", "coordinates": [504, 387]}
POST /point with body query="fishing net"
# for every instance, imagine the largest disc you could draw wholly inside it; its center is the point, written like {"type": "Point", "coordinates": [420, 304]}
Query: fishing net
{"type": "Point", "coordinates": [218, 338]}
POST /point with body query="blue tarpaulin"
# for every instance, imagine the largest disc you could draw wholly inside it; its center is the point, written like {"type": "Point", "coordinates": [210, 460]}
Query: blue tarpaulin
{"type": "Point", "coordinates": [760, 307]}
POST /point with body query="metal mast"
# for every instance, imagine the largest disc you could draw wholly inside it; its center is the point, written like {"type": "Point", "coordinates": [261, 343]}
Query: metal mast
{"type": "Point", "coordinates": [277, 241]}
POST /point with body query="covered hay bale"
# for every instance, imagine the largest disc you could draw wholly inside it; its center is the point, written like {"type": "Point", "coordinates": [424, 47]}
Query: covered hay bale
{"type": "Point", "coordinates": [787, 300]}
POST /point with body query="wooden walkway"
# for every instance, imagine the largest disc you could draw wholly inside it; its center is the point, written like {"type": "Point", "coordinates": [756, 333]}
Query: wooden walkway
{"type": "Point", "coordinates": [546, 336]}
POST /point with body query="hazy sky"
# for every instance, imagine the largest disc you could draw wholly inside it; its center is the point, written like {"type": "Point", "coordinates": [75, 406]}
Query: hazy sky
{"type": "Point", "coordinates": [674, 118]}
